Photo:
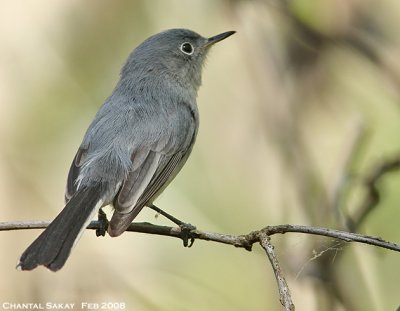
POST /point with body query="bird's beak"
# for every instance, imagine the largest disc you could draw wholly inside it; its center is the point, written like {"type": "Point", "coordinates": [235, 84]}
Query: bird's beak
{"type": "Point", "coordinates": [210, 41]}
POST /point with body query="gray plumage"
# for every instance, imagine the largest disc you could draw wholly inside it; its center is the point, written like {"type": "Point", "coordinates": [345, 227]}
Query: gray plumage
{"type": "Point", "coordinates": [137, 143]}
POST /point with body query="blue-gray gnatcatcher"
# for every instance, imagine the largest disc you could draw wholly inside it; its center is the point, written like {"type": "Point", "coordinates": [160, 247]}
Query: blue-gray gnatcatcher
{"type": "Point", "coordinates": [137, 143]}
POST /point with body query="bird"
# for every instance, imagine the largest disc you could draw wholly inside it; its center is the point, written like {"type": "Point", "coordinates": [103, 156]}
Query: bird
{"type": "Point", "coordinates": [138, 141]}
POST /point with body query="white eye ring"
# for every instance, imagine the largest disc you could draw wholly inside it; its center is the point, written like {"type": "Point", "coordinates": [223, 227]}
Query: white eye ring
{"type": "Point", "coordinates": [187, 48]}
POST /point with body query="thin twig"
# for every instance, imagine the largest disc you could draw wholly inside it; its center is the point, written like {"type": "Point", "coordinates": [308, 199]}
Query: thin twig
{"type": "Point", "coordinates": [243, 241]}
{"type": "Point", "coordinates": [369, 203]}
{"type": "Point", "coordinates": [337, 234]}
{"type": "Point", "coordinates": [373, 196]}
{"type": "Point", "coordinates": [284, 292]}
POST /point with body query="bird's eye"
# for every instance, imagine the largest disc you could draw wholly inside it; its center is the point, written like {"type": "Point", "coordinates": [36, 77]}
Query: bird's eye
{"type": "Point", "coordinates": [187, 48]}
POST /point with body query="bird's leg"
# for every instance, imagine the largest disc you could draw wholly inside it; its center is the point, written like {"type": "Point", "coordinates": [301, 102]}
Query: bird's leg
{"type": "Point", "coordinates": [186, 228]}
{"type": "Point", "coordinates": [103, 223]}
{"type": "Point", "coordinates": [166, 215]}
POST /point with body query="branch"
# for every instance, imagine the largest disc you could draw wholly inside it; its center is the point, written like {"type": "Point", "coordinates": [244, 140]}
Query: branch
{"type": "Point", "coordinates": [246, 241]}
{"type": "Point", "coordinates": [242, 241]}
{"type": "Point", "coordinates": [369, 202]}
{"type": "Point", "coordinates": [372, 198]}
{"type": "Point", "coordinates": [284, 292]}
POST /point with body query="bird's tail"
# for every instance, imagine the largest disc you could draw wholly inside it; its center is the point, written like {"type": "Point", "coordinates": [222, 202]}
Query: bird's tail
{"type": "Point", "coordinates": [52, 248]}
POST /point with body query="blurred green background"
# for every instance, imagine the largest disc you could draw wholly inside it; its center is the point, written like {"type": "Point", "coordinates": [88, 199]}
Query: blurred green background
{"type": "Point", "coordinates": [296, 109]}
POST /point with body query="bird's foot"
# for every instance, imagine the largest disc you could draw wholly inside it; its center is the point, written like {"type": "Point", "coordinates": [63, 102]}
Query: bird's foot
{"type": "Point", "coordinates": [186, 234]}
{"type": "Point", "coordinates": [186, 228]}
{"type": "Point", "coordinates": [103, 223]}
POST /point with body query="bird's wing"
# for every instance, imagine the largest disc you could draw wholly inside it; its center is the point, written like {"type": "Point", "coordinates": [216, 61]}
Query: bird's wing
{"type": "Point", "coordinates": [145, 183]}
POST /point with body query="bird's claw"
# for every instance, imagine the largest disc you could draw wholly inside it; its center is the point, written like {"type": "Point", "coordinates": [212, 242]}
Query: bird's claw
{"type": "Point", "coordinates": [103, 224]}
{"type": "Point", "coordinates": [186, 234]}
{"type": "Point", "coordinates": [186, 228]}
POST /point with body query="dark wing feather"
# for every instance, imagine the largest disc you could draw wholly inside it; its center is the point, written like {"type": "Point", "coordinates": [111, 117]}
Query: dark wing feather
{"type": "Point", "coordinates": [169, 166]}
{"type": "Point", "coordinates": [163, 176]}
